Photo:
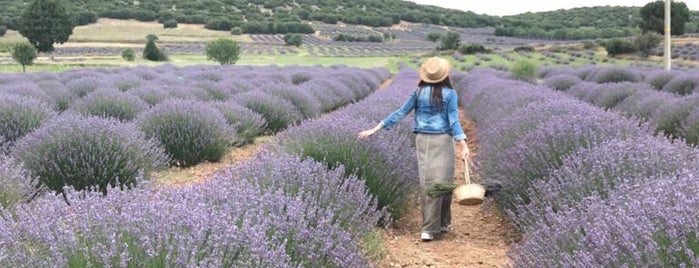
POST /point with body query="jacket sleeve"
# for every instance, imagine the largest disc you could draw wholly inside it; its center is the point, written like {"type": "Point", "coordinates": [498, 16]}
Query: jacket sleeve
{"type": "Point", "coordinates": [396, 116]}
{"type": "Point", "coordinates": [453, 116]}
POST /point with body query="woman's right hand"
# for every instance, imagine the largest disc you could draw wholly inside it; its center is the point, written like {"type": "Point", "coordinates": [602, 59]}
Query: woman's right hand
{"type": "Point", "coordinates": [369, 132]}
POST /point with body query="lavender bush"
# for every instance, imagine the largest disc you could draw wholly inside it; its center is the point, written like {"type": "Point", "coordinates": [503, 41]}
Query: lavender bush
{"type": "Point", "coordinates": [82, 86]}
{"type": "Point", "coordinates": [304, 101]}
{"type": "Point", "coordinates": [19, 116]}
{"type": "Point", "coordinates": [690, 127]}
{"type": "Point", "coordinates": [190, 131]}
{"type": "Point", "coordinates": [670, 117]}
{"type": "Point", "coordinates": [152, 95]}
{"type": "Point", "coordinates": [612, 94]}
{"type": "Point", "coordinates": [600, 169]}
{"type": "Point", "coordinates": [682, 84]}
{"type": "Point", "coordinates": [278, 112]}
{"type": "Point", "coordinates": [561, 82]}
{"type": "Point", "coordinates": [642, 225]}
{"type": "Point", "coordinates": [86, 152]}
{"type": "Point", "coordinates": [659, 78]}
{"type": "Point", "coordinates": [247, 123]}
{"type": "Point", "coordinates": [110, 102]}
{"type": "Point", "coordinates": [15, 181]}
{"type": "Point", "coordinates": [615, 75]}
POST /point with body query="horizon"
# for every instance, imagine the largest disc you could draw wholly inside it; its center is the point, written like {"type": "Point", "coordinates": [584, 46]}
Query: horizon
{"type": "Point", "coordinates": [508, 8]}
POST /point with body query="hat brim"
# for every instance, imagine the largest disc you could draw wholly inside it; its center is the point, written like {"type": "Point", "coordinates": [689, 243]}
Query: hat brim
{"type": "Point", "coordinates": [426, 78]}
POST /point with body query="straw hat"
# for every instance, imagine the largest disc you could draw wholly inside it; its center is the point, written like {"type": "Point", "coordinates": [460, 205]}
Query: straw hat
{"type": "Point", "coordinates": [434, 70]}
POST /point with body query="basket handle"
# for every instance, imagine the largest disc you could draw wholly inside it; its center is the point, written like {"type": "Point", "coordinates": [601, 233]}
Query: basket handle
{"type": "Point", "coordinates": [467, 173]}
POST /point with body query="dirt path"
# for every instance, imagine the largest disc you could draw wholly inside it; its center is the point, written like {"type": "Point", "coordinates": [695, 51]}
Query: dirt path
{"type": "Point", "coordinates": [480, 235]}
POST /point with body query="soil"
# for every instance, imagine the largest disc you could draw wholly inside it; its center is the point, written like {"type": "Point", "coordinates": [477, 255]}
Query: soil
{"type": "Point", "coordinates": [480, 235]}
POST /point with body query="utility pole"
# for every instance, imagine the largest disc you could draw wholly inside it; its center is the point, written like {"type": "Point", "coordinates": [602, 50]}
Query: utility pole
{"type": "Point", "coordinates": [667, 35]}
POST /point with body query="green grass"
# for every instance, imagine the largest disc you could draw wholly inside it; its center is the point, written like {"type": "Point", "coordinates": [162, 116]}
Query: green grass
{"type": "Point", "coordinates": [62, 64]}
{"type": "Point", "coordinates": [372, 246]}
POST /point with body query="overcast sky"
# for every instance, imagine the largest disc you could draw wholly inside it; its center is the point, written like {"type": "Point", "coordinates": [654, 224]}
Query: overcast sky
{"type": "Point", "coordinates": [512, 7]}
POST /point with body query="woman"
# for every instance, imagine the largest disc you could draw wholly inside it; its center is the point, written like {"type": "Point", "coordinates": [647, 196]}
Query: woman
{"type": "Point", "coordinates": [437, 127]}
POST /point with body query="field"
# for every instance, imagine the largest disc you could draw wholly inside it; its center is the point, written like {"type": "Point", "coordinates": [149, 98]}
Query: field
{"type": "Point", "coordinates": [187, 163]}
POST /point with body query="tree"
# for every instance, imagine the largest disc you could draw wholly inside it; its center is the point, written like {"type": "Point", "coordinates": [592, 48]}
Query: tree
{"type": "Point", "coordinates": [293, 40]}
{"type": "Point", "coordinates": [451, 40]}
{"type": "Point", "coordinates": [222, 50]}
{"type": "Point", "coordinates": [647, 42]}
{"type": "Point", "coordinates": [151, 51]}
{"type": "Point", "coordinates": [25, 54]}
{"type": "Point", "coordinates": [653, 17]}
{"type": "Point", "coordinates": [46, 22]}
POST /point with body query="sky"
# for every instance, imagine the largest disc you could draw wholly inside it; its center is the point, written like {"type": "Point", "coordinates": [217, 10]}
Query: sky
{"type": "Point", "coordinates": [513, 7]}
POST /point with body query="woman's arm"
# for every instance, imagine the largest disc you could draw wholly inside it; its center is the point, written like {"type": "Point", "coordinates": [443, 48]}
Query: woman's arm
{"type": "Point", "coordinates": [392, 119]}
{"type": "Point", "coordinates": [455, 124]}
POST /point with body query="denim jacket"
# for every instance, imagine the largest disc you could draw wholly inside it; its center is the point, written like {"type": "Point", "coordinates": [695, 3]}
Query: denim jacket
{"type": "Point", "coordinates": [427, 120]}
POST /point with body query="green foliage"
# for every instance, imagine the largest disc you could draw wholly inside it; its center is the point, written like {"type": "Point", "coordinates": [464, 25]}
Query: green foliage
{"type": "Point", "coordinates": [353, 38]}
{"type": "Point", "coordinates": [24, 54]}
{"type": "Point", "coordinates": [653, 15]}
{"type": "Point", "coordinates": [589, 45]}
{"type": "Point", "coordinates": [451, 40]}
{"type": "Point", "coordinates": [128, 54]}
{"type": "Point", "coordinates": [441, 189]}
{"type": "Point", "coordinates": [524, 49]}
{"type": "Point", "coordinates": [236, 31]}
{"type": "Point", "coordinates": [472, 48]}
{"type": "Point", "coordinates": [434, 36]}
{"type": "Point", "coordinates": [293, 40]}
{"type": "Point", "coordinates": [3, 30]}
{"type": "Point", "coordinates": [618, 46]}
{"type": "Point", "coordinates": [45, 22]}
{"type": "Point", "coordinates": [647, 42]}
{"type": "Point", "coordinates": [524, 70]}
{"type": "Point", "coordinates": [223, 50]}
{"type": "Point", "coordinates": [221, 24]}
{"type": "Point", "coordinates": [85, 17]}
{"type": "Point", "coordinates": [151, 51]}
{"type": "Point", "coordinates": [171, 23]}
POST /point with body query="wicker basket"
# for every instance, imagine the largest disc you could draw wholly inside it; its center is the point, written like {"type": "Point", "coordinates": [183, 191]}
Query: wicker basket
{"type": "Point", "coordinates": [469, 194]}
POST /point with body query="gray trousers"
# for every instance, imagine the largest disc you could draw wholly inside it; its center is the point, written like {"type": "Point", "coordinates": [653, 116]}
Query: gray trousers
{"type": "Point", "coordinates": [435, 158]}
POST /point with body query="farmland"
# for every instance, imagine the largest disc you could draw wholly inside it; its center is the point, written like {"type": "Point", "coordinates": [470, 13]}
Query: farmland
{"type": "Point", "coordinates": [106, 162]}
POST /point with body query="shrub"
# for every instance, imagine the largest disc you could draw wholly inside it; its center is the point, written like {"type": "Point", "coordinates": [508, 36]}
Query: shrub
{"type": "Point", "coordinates": [110, 102]}
{"type": "Point", "coordinates": [236, 31]}
{"type": "Point", "coordinates": [643, 104]}
{"type": "Point", "coordinates": [471, 48]}
{"type": "Point", "coordinates": [3, 30]}
{"type": "Point", "coordinates": [247, 123]}
{"type": "Point", "coordinates": [354, 209]}
{"type": "Point", "coordinates": [561, 82]}
{"type": "Point", "coordinates": [615, 75]}
{"type": "Point", "coordinates": [128, 54]}
{"type": "Point", "coordinates": [612, 94]}
{"type": "Point", "coordinates": [220, 23]}
{"type": "Point", "coordinates": [375, 161]}
{"type": "Point", "coordinates": [15, 181]}
{"type": "Point", "coordinates": [682, 84]}
{"type": "Point", "coordinates": [20, 116]}
{"type": "Point", "coordinates": [655, 219]}
{"type": "Point", "coordinates": [83, 86]}
{"type": "Point", "coordinates": [88, 152]}
{"type": "Point", "coordinates": [152, 95]}
{"type": "Point", "coordinates": [617, 46]}
{"type": "Point", "coordinates": [293, 39]}
{"type": "Point", "coordinates": [690, 128]}
{"type": "Point", "coordinates": [659, 79]}
{"type": "Point", "coordinates": [598, 170]}
{"type": "Point", "coordinates": [278, 112]}
{"type": "Point", "coordinates": [190, 131]}
{"type": "Point", "coordinates": [304, 101]}
{"type": "Point", "coordinates": [669, 117]}
{"type": "Point", "coordinates": [222, 50]}
{"type": "Point", "coordinates": [151, 51]}
{"type": "Point", "coordinates": [524, 70]}
{"type": "Point", "coordinates": [170, 24]}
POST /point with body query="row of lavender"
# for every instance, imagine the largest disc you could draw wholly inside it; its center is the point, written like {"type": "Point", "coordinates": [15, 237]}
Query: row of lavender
{"type": "Point", "coordinates": [588, 188]}
{"type": "Point", "coordinates": [275, 210]}
{"type": "Point", "coordinates": [666, 100]}
{"type": "Point", "coordinates": [89, 127]}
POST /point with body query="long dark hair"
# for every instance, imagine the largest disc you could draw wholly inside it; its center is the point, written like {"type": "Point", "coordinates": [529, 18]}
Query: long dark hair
{"type": "Point", "coordinates": [436, 97]}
